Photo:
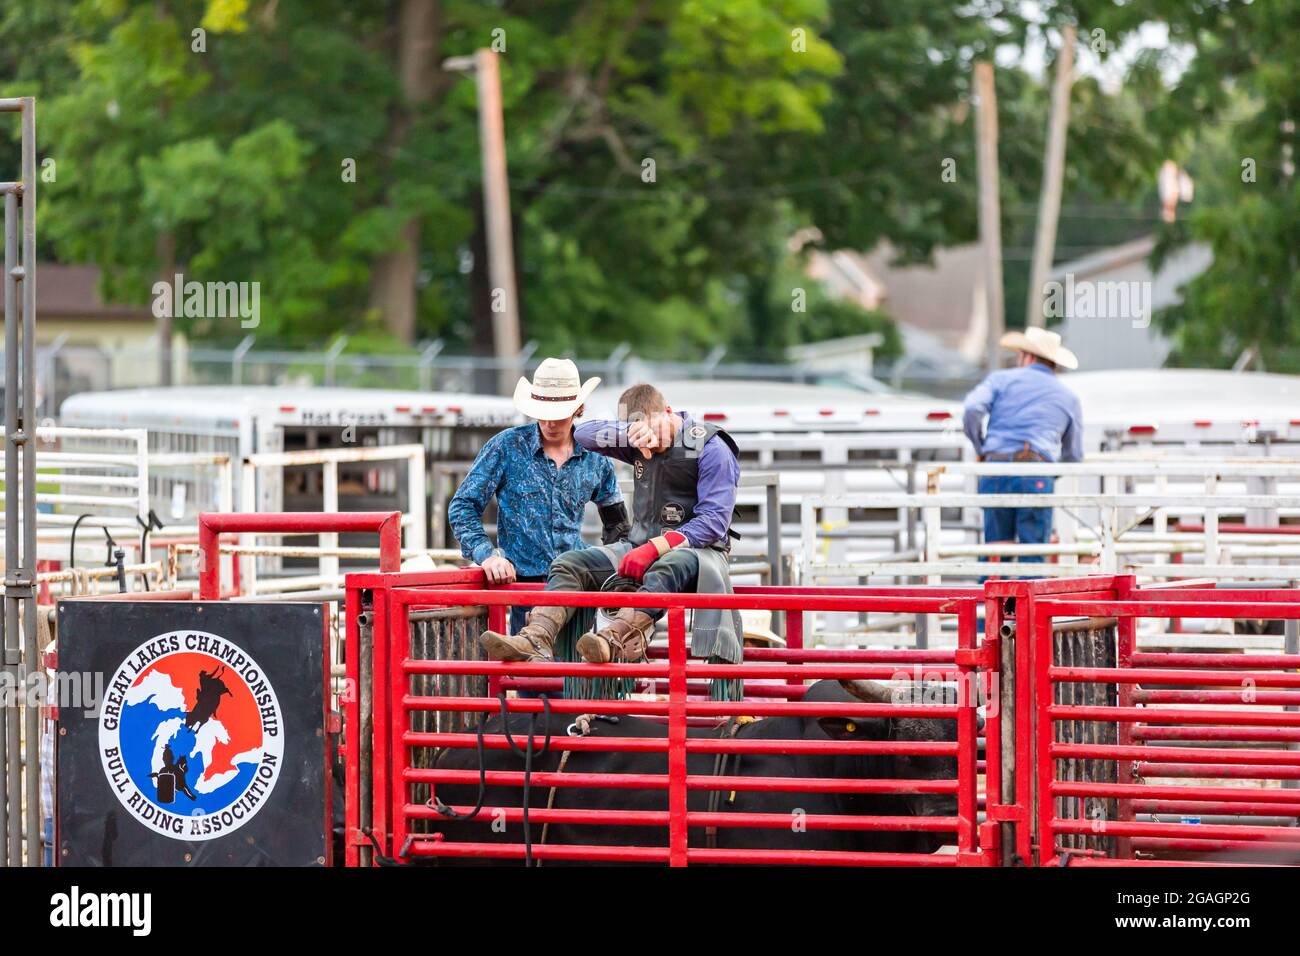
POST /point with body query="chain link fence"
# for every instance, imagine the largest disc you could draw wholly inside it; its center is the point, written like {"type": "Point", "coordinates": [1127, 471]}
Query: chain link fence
{"type": "Point", "coordinates": [65, 369]}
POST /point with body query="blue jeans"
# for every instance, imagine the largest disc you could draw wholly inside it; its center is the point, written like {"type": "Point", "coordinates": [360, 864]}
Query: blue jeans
{"type": "Point", "coordinates": [1021, 525]}
{"type": "Point", "coordinates": [519, 613]}
{"type": "Point", "coordinates": [519, 617]}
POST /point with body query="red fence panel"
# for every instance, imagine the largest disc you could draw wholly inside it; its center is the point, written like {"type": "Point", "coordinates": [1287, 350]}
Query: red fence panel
{"type": "Point", "coordinates": [677, 794]}
{"type": "Point", "coordinates": [1203, 744]}
{"type": "Point", "coordinates": [1009, 611]}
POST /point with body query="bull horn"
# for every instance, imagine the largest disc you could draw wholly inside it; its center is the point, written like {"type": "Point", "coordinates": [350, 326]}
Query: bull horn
{"type": "Point", "coordinates": [869, 691]}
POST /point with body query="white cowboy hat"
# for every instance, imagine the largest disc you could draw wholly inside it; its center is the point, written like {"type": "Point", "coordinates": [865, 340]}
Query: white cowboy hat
{"type": "Point", "coordinates": [757, 626]}
{"type": "Point", "coordinates": [1042, 343]}
{"type": "Point", "coordinates": [556, 391]}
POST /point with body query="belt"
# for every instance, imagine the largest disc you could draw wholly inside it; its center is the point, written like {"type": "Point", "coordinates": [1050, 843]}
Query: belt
{"type": "Point", "coordinates": [1025, 454]}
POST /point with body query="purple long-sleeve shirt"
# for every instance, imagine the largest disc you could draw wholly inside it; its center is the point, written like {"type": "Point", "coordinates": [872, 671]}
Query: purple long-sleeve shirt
{"type": "Point", "coordinates": [719, 474]}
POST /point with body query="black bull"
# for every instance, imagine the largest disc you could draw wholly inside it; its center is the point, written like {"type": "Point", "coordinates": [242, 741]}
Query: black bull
{"type": "Point", "coordinates": [788, 837]}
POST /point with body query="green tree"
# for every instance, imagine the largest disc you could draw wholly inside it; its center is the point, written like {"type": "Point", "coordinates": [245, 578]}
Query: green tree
{"type": "Point", "coordinates": [1231, 118]}
{"type": "Point", "coordinates": [756, 117]}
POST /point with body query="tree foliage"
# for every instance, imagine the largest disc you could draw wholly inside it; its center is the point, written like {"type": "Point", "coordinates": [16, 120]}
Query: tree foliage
{"type": "Point", "coordinates": [661, 153]}
{"type": "Point", "coordinates": [1235, 114]}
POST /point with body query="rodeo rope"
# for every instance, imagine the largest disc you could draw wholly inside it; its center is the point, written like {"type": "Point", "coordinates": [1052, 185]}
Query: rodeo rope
{"type": "Point", "coordinates": [447, 811]}
{"type": "Point", "coordinates": [528, 764]}
{"type": "Point", "coordinates": [525, 752]}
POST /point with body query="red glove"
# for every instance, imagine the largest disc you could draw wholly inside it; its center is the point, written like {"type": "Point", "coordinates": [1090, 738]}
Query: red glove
{"type": "Point", "coordinates": [637, 561]}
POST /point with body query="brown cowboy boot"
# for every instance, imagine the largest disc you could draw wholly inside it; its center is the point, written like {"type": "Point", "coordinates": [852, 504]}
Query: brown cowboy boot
{"type": "Point", "coordinates": [534, 642]}
{"type": "Point", "coordinates": [624, 640]}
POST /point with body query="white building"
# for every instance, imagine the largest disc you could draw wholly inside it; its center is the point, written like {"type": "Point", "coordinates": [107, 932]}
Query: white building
{"type": "Point", "coordinates": [1089, 289]}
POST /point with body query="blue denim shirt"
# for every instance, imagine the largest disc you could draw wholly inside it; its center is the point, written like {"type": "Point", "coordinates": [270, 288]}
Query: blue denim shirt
{"type": "Point", "coordinates": [539, 506]}
{"type": "Point", "coordinates": [1025, 404]}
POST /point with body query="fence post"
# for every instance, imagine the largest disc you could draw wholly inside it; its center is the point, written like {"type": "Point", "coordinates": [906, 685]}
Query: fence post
{"type": "Point", "coordinates": [425, 365]}
{"type": "Point", "coordinates": [329, 563]}
{"type": "Point", "coordinates": [1109, 524]}
{"type": "Point", "coordinates": [933, 533]}
{"type": "Point", "coordinates": [1291, 645]}
{"type": "Point", "coordinates": [51, 364]}
{"type": "Point", "coordinates": [332, 358]}
{"type": "Point", "coordinates": [677, 832]}
{"type": "Point", "coordinates": [237, 360]}
{"type": "Point", "coordinates": [10, 761]}
{"type": "Point", "coordinates": [773, 508]}
{"type": "Point", "coordinates": [1067, 521]}
{"type": "Point", "coordinates": [615, 363]}
{"type": "Point", "coordinates": [713, 358]}
{"type": "Point", "coordinates": [417, 536]}
{"type": "Point", "coordinates": [1003, 725]}
{"type": "Point", "coordinates": [20, 769]}
{"type": "Point", "coordinates": [967, 745]}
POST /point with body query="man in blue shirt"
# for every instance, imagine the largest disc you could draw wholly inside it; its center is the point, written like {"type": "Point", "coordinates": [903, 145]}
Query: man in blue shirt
{"type": "Point", "coordinates": [1030, 416]}
{"type": "Point", "coordinates": [542, 480]}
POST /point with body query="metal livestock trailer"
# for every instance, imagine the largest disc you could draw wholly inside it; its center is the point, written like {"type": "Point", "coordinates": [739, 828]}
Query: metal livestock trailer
{"type": "Point", "coordinates": [243, 421]}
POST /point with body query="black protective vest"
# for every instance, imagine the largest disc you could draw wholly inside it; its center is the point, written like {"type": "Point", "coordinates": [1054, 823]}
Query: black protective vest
{"type": "Point", "coordinates": [666, 485]}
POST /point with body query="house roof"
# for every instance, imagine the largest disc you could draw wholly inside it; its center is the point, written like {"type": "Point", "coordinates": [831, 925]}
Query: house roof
{"type": "Point", "coordinates": [1119, 341]}
{"type": "Point", "coordinates": [72, 292]}
{"type": "Point", "coordinates": [936, 298]}
{"type": "Point", "coordinates": [937, 306]}
{"type": "Point", "coordinates": [845, 345]}
{"type": "Point", "coordinates": [1106, 260]}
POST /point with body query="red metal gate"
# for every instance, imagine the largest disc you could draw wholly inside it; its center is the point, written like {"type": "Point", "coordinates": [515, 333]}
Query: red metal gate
{"type": "Point", "coordinates": [389, 757]}
{"type": "Point", "coordinates": [1101, 754]}
{"type": "Point", "coordinates": [1201, 746]}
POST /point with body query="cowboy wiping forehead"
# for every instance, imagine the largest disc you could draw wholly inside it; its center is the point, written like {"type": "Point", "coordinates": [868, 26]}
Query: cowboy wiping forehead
{"type": "Point", "coordinates": [641, 403]}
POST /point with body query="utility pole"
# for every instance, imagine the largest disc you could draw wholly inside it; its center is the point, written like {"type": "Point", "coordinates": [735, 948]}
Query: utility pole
{"type": "Point", "coordinates": [164, 326]}
{"type": "Point", "coordinates": [496, 207]}
{"type": "Point", "coordinates": [1049, 204]}
{"type": "Point", "coordinates": [986, 154]}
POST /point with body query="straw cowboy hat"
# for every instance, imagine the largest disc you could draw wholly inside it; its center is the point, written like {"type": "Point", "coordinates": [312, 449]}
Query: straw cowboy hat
{"type": "Point", "coordinates": [757, 625]}
{"type": "Point", "coordinates": [1042, 343]}
{"type": "Point", "coordinates": [556, 391]}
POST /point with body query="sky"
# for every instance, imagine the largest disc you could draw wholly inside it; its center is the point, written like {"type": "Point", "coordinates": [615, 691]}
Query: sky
{"type": "Point", "coordinates": [1109, 71]}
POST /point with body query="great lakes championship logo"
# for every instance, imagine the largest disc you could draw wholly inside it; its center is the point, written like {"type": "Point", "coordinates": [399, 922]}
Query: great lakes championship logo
{"type": "Point", "coordinates": [190, 735]}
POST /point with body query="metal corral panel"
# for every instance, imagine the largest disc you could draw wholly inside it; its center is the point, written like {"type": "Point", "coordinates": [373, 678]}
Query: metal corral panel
{"type": "Point", "coordinates": [1086, 644]}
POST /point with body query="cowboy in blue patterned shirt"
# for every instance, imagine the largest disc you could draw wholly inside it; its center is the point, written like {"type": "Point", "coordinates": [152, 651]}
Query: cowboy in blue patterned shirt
{"type": "Point", "coordinates": [542, 480]}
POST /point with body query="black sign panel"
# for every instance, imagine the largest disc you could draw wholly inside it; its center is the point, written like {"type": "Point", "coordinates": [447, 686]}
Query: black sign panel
{"type": "Point", "coordinates": [205, 745]}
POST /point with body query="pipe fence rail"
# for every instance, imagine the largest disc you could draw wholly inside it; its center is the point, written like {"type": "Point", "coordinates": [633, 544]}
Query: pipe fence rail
{"type": "Point", "coordinates": [1201, 746]}
{"type": "Point", "coordinates": [684, 793]}
{"type": "Point", "coordinates": [1075, 747]}
{"type": "Point", "coordinates": [1118, 756]}
{"type": "Point", "coordinates": [1119, 541]}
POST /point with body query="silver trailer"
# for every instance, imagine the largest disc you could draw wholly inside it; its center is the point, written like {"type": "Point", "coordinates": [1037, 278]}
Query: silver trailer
{"type": "Point", "coordinates": [246, 421]}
